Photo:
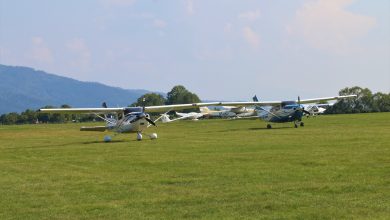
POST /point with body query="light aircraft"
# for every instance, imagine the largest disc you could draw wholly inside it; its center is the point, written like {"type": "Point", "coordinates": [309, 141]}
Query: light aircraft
{"type": "Point", "coordinates": [205, 111]}
{"type": "Point", "coordinates": [191, 115]}
{"type": "Point", "coordinates": [317, 109]}
{"type": "Point", "coordinates": [229, 112]}
{"type": "Point", "coordinates": [137, 119]}
{"type": "Point", "coordinates": [217, 113]}
{"type": "Point", "coordinates": [288, 111]}
{"type": "Point", "coordinates": [127, 120]}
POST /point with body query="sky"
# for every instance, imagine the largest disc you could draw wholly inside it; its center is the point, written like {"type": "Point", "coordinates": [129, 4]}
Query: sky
{"type": "Point", "coordinates": [221, 49]}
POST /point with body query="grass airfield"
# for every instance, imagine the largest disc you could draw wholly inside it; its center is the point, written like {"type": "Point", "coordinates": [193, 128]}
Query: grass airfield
{"type": "Point", "coordinates": [336, 167]}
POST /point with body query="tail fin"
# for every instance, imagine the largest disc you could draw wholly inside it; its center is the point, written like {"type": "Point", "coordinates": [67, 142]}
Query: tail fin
{"type": "Point", "coordinates": [109, 118]}
{"type": "Point", "coordinates": [104, 105]}
{"type": "Point", "coordinates": [255, 99]}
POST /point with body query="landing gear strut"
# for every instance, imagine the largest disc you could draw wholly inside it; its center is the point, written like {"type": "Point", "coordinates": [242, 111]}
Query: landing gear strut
{"type": "Point", "coordinates": [296, 124]}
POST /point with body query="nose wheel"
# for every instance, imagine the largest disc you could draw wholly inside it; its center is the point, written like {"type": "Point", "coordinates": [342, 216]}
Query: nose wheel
{"type": "Point", "coordinates": [297, 124]}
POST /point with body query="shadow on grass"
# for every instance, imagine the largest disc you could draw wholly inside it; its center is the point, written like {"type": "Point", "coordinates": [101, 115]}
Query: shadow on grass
{"type": "Point", "coordinates": [257, 128]}
{"type": "Point", "coordinates": [104, 142]}
{"type": "Point", "coordinates": [273, 128]}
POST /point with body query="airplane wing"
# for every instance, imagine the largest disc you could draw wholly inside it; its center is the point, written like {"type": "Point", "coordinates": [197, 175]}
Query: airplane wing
{"type": "Point", "coordinates": [82, 110]}
{"type": "Point", "coordinates": [306, 101]}
{"type": "Point", "coordinates": [166, 108]}
{"type": "Point", "coordinates": [273, 103]}
{"type": "Point", "coordinates": [165, 118]}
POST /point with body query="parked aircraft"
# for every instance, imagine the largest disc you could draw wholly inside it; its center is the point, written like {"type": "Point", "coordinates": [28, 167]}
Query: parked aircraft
{"type": "Point", "coordinates": [288, 111]}
{"type": "Point", "coordinates": [229, 112]}
{"type": "Point", "coordinates": [191, 116]}
{"type": "Point", "coordinates": [217, 113]}
{"type": "Point", "coordinates": [127, 119]}
{"type": "Point", "coordinates": [316, 109]}
{"type": "Point", "coordinates": [137, 119]}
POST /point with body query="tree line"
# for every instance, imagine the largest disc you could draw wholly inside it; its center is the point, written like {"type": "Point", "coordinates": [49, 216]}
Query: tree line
{"type": "Point", "coordinates": [178, 95]}
{"type": "Point", "coordinates": [365, 102]}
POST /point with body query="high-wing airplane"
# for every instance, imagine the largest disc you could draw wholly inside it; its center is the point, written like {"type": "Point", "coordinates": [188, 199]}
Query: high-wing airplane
{"type": "Point", "coordinates": [229, 112]}
{"type": "Point", "coordinates": [317, 109]}
{"type": "Point", "coordinates": [288, 111]}
{"type": "Point", "coordinates": [191, 116]}
{"type": "Point", "coordinates": [217, 113]}
{"type": "Point", "coordinates": [137, 119]}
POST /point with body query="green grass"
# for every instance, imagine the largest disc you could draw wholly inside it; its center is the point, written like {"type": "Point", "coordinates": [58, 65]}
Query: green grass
{"type": "Point", "coordinates": [336, 167]}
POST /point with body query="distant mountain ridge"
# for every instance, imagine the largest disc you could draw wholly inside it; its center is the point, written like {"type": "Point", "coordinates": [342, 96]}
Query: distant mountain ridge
{"type": "Point", "coordinates": [24, 88]}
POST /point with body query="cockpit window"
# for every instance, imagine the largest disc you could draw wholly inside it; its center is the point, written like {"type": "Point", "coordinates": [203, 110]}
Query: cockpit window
{"type": "Point", "coordinates": [130, 117]}
{"type": "Point", "coordinates": [133, 109]}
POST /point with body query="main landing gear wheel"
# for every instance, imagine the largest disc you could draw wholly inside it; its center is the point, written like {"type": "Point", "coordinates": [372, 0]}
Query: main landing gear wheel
{"type": "Point", "coordinates": [269, 126]}
{"type": "Point", "coordinates": [139, 136]}
{"type": "Point", "coordinates": [302, 124]}
{"type": "Point", "coordinates": [153, 136]}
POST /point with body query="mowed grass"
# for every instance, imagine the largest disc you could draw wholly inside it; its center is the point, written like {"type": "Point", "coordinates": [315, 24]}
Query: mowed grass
{"type": "Point", "coordinates": [336, 167]}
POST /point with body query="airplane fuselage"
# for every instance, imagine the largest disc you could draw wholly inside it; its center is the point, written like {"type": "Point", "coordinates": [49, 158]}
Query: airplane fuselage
{"type": "Point", "coordinates": [286, 113]}
{"type": "Point", "coordinates": [131, 123]}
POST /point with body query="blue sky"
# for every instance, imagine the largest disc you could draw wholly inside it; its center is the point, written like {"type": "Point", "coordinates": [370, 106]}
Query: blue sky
{"type": "Point", "coordinates": [221, 50]}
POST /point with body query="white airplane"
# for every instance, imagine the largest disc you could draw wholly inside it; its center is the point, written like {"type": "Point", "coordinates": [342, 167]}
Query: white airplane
{"type": "Point", "coordinates": [191, 116]}
{"type": "Point", "coordinates": [317, 109]}
{"type": "Point", "coordinates": [137, 119]}
{"type": "Point", "coordinates": [217, 113]}
{"type": "Point", "coordinates": [204, 111]}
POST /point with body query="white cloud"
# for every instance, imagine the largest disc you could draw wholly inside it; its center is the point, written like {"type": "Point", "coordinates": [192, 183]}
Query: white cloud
{"type": "Point", "coordinates": [39, 51]}
{"type": "Point", "coordinates": [249, 15]}
{"type": "Point", "coordinates": [159, 23]}
{"type": "Point", "coordinates": [251, 37]}
{"type": "Point", "coordinates": [326, 24]}
{"type": "Point", "coordinates": [82, 54]}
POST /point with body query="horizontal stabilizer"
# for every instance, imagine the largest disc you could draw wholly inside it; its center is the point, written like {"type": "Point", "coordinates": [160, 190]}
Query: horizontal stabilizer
{"type": "Point", "coordinates": [95, 128]}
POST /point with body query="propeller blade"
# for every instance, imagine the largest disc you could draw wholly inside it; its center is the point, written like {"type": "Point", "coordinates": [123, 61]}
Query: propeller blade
{"type": "Point", "coordinates": [151, 122]}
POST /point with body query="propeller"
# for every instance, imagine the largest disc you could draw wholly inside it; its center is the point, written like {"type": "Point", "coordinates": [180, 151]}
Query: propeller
{"type": "Point", "coordinates": [143, 116]}
{"type": "Point", "coordinates": [150, 121]}
{"type": "Point", "coordinates": [301, 107]}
